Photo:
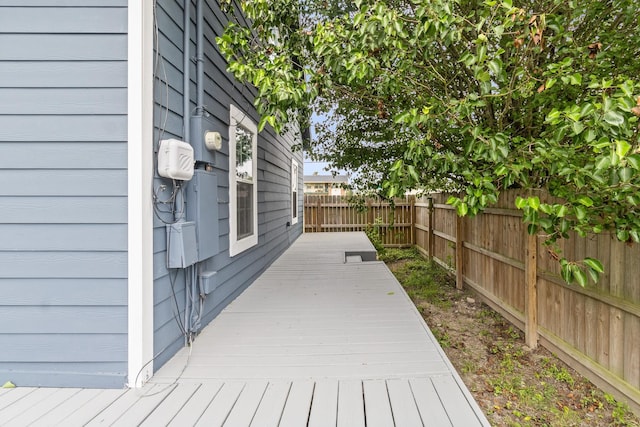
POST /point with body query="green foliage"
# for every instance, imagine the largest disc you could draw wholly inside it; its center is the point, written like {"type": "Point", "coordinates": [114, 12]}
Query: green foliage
{"type": "Point", "coordinates": [466, 95]}
{"type": "Point", "coordinates": [395, 254]}
{"type": "Point", "coordinates": [374, 234]}
{"type": "Point", "coordinates": [421, 279]}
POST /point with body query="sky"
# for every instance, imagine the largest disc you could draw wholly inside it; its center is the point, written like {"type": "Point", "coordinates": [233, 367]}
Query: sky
{"type": "Point", "coordinates": [311, 166]}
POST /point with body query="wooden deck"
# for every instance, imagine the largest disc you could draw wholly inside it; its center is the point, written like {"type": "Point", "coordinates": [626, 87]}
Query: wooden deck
{"type": "Point", "coordinates": [320, 339]}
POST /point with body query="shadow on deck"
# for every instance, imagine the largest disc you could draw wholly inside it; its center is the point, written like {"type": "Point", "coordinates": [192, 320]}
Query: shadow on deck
{"type": "Point", "coordinates": [321, 338]}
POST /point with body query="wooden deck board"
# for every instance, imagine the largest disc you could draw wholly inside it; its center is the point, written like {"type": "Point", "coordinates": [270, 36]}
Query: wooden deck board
{"type": "Point", "coordinates": [43, 407]}
{"type": "Point", "coordinates": [454, 401]}
{"type": "Point", "coordinates": [10, 396]}
{"type": "Point", "coordinates": [296, 409]}
{"type": "Point", "coordinates": [118, 407]}
{"type": "Point", "coordinates": [219, 409]}
{"type": "Point", "coordinates": [272, 404]}
{"type": "Point", "coordinates": [431, 410]}
{"type": "Point", "coordinates": [246, 406]}
{"type": "Point", "coordinates": [60, 414]}
{"type": "Point", "coordinates": [322, 343]}
{"type": "Point", "coordinates": [146, 404]}
{"type": "Point", "coordinates": [190, 413]}
{"type": "Point", "coordinates": [171, 405]}
{"type": "Point", "coordinates": [13, 412]}
{"type": "Point", "coordinates": [376, 404]}
{"type": "Point", "coordinates": [324, 408]}
{"type": "Point", "coordinates": [350, 404]}
{"type": "Point", "coordinates": [85, 413]}
{"type": "Point", "coordinates": [403, 405]}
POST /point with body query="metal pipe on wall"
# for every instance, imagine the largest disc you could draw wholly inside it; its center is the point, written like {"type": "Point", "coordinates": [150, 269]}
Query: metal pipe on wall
{"type": "Point", "coordinates": [186, 74]}
{"type": "Point", "coordinates": [200, 58]}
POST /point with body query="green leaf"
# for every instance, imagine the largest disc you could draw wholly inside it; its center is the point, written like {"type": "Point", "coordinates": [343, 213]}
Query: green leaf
{"type": "Point", "coordinates": [532, 229]}
{"type": "Point", "coordinates": [625, 174]}
{"type": "Point", "coordinates": [634, 161]}
{"type": "Point", "coordinates": [462, 209]}
{"type": "Point", "coordinates": [567, 273]}
{"type": "Point", "coordinates": [581, 212]}
{"type": "Point", "coordinates": [521, 202]}
{"type": "Point", "coordinates": [614, 118]}
{"type": "Point", "coordinates": [562, 211]}
{"type": "Point", "coordinates": [575, 79]}
{"type": "Point", "coordinates": [622, 235]}
{"type": "Point", "coordinates": [402, 117]}
{"type": "Point", "coordinates": [546, 208]}
{"type": "Point", "coordinates": [579, 275]}
{"type": "Point", "coordinates": [622, 148]}
{"type": "Point", "coordinates": [577, 127]}
{"type": "Point", "coordinates": [495, 66]}
{"type": "Point", "coordinates": [546, 224]}
{"type": "Point", "coordinates": [594, 264]}
{"type": "Point", "coordinates": [534, 202]}
{"type": "Point", "coordinates": [603, 163]}
{"type": "Point", "coordinates": [585, 200]}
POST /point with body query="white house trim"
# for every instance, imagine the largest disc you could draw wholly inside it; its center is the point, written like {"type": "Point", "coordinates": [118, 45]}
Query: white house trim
{"type": "Point", "coordinates": [238, 118]}
{"type": "Point", "coordinates": [295, 191]}
{"type": "Point", "coordinates": [140, 203]}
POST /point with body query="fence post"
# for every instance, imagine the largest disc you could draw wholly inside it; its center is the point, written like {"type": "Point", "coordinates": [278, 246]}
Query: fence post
{"type": "Point", "coordinates": [412, 215]}
{"type": "Point", "coordinates": [430, 235]}
{"type": "Point", "coordinates": [319, 215]}
{"type": "Point", "coordinates": [459, 251]}
{"type": "Point", "coordinates": [531, 295]}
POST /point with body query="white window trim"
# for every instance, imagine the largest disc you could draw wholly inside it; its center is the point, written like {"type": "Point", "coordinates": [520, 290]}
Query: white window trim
{"type": "Point", "coordinates": [140, 203]}
{"type": "Point", "coordinates": [238, 117]}
{"type": "Point", "coordinates": [295, 186]}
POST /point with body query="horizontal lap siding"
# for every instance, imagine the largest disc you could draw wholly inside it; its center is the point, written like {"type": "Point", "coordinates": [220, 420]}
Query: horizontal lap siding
{"type": "Point", "coordinates": [274, 171]}
{"type": "Point", "coordinates": [63, 159]}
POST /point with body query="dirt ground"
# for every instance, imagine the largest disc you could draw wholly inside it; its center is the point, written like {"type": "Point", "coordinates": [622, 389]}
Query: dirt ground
{"type": "Point", "coordinates": [514, 385]}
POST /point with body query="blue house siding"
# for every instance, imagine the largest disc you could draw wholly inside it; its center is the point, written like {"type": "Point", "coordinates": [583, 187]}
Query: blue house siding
{"type": "Point", "coordinates": [63, 166]}
{"type": "Point", "coordinates": [233, 274]}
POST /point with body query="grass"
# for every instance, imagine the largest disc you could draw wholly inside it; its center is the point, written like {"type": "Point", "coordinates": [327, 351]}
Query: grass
{"type": "Point", "coordinates": [422, 280]}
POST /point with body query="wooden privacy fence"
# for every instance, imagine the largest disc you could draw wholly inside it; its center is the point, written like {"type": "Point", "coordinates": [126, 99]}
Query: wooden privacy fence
{"type": "Point", "coordinates": [595, 329]}
{"type": "Point", "coordinates": [337, 213]}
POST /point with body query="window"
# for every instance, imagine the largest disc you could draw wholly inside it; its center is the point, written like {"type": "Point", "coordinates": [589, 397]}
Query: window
{"type": "Point", "coordinates": [243, 186]}
{"type": "Point", "coordinates": [294, 191]}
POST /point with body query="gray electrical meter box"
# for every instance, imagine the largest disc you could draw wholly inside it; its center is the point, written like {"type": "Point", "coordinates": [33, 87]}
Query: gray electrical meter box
{"type": "Point", "coordinates": [202, 209]}
{"type": "Point", "coordinates": [200, 125]}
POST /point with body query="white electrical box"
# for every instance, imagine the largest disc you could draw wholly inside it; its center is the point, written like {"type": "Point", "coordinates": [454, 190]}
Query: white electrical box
{"type": "Point", "coordinates": [175, 160]}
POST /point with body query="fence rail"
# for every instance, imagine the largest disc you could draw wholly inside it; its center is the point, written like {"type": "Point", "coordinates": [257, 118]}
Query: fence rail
{"type": "Point", "coordinates": [595, 329]}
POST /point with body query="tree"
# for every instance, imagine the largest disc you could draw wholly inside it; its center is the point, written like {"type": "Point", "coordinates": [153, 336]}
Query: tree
{"type": "Point", "coordinates": [480, 96]}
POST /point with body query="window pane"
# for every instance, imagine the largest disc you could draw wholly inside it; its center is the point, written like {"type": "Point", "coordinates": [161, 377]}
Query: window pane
{"type": "Point", "coordinates": [294, 207]}
{"type": "Point", "coordinates": [244, 210]}
{"type": "Point", "coordinates": [244, 154]}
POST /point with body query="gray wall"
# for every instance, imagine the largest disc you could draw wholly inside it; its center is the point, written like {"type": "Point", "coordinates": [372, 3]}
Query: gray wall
{"type": "Point", "coordinates": [274, 171]}
{"type": "Point", "coordinates": [63, 199]}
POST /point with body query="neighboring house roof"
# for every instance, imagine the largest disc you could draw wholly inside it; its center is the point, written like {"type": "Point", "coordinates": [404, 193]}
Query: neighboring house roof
{"type": "Point", "coordinates": [338, 179]}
